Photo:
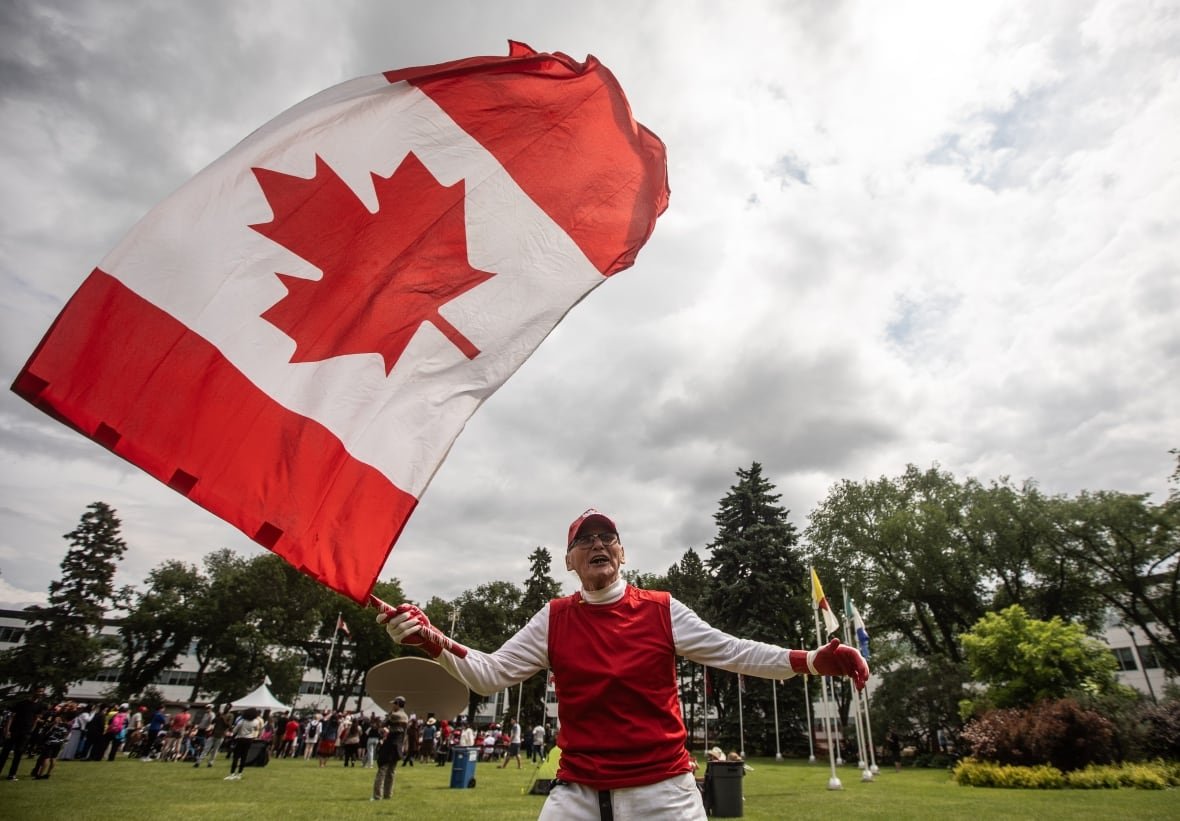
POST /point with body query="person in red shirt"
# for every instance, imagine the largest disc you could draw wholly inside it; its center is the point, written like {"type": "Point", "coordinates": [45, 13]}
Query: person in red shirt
{"type": "Point", "coordinates": [177, 726]}
{"type": "Point", "coordinates": [290, 734]}
{"type": "Point", "coordinates": [612, 649]}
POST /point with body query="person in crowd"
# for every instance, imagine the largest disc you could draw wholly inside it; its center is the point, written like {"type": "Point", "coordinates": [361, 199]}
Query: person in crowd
{"type": "Point", "coordinates": [489, 743]}
{"type": "Point", "coordinates": [51, 744]}
{"type": "Point", "coordinates": [156, 727]}
{"type": "Point", "coordinates": [893, 742]}
{"type": "Point", "coordinates": [442, 749]}
{"type": "Point", "coordinates": [390, 749]}
{"type": "Point", "coordinates": [116, 730]}
{"type": "Point", "coordinates": [136, 732]}
{"type": "Point", "coordinates": [96, 732]}
{"type": "Point", "coordinates": [18, 728]}
{"type": "Point", "coordinates": [246, 730]}
{"type": "Point", "coordinates": [311, 736]}
{"type": "Point", "coordinates": [467, 735]}
{"type": "Point", "coordinates": [352, 741]}
{"type": "Point", "coordinates": [513, 744]}
{"type": "Point", "coordinates": [612, 648]}
{"type": "Point", "coordinates": [218, 729]}
{"type": "Point", "coordinates": [290, 734]}
{"type": "Point", "coordinates": [73, 747]}
{"type": "Point", "coordinates": [410, 748]}
{"type": "Point", "coordinates": [329, 733]}
{"type": "Point", "coordinates": [427, 736]}
{"type": "Point", "coordinates": [177, 725]}
{"type": "Point", "coordinates": [373, 732]}
{"type": "Point", "coordinates": [538, 751]}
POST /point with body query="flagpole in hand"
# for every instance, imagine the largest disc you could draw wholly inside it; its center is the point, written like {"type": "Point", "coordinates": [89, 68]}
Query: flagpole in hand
{"type": "Point", "coordinates": [428, 632]}
{"type": "Point", "coordinates": [821, 605]}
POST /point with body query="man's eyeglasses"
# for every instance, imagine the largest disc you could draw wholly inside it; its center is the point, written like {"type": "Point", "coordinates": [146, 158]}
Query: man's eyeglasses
{"type": "Point", "coordinates": [587, 541]}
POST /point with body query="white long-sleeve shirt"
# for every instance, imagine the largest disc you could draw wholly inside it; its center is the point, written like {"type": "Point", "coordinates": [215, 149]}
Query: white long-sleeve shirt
{"type": "Point", "coordinates": [527, 652]}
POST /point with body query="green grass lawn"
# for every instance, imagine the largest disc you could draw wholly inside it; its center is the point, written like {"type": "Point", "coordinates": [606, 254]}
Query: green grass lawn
{"type": "Point", "coordinates": [288, 790]}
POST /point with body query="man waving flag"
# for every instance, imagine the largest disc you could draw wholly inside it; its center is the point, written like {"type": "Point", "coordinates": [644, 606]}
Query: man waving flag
{"type": "Point", "coordinates": [295, 338]}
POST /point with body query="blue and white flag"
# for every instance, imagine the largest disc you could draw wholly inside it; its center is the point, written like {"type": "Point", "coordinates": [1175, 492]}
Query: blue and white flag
{"type": "Point", "coordinates": [862, 635]}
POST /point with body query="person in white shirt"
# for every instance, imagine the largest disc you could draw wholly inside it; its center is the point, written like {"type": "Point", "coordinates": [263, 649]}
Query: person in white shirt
{"type": "Point", "coordinates": [247, 728]}
{"type": "Point", "coordinates": [612, 649]}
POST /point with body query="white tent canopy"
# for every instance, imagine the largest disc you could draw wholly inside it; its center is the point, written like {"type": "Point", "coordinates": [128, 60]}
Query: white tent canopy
{"type": "Point", "coordinates": [260, 699]}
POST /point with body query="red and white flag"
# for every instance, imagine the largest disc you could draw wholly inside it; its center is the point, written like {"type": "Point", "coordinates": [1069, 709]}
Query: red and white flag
{"type": "Point", "coordinates": [342, 625]}
{"type": "Point", "coordinates": [295, 338]}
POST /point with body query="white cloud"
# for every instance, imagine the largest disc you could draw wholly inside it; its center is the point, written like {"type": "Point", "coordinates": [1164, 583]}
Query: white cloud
{"type": "Point", "coordinates": [912, 232]}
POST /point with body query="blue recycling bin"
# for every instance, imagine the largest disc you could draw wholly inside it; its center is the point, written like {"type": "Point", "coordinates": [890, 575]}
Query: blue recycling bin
{"type": "Point", "coordinates": [463, 767]}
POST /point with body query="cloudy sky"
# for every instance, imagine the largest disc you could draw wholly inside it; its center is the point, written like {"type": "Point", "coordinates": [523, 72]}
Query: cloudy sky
{"type": "Point", "coordinates": [898, 233]}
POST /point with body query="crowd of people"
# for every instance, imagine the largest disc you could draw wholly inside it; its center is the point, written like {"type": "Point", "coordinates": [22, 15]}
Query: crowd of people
{"type": "Point", "coordinates": [196, 734]}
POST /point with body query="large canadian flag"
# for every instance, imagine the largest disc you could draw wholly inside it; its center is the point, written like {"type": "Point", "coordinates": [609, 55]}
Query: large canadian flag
{"type": "Point", "coordinates": [295, 338]}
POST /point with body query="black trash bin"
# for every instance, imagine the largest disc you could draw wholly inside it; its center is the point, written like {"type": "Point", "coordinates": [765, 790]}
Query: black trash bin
{"type": "Point", "coordinates": [258, 753]}
{"type": "Point", "coordinates": [723, 788]}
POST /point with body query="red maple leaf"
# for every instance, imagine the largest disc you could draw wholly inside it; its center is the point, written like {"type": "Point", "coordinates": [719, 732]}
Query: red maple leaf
{"type": "Point", "coordinates": [384, 274]}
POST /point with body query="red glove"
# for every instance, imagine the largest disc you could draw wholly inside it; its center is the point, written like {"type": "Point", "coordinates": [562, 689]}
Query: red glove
{"type": "Point", "coordinates": [833, 659]}
{"type": "Point", "coordinates": [408, 625]}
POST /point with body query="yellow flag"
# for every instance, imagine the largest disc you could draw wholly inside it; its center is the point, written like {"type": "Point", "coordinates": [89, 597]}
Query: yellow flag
{"type": "Point", "coordinates": [821, 601]}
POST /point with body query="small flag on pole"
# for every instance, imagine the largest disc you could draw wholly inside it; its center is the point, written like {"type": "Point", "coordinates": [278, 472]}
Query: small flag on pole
{"type": "Point", "coordinates": [862, 634]}
{"type": "Point", "coordinates": [343, 625]}
{"type": "Point", "coordinates": [821, 601]}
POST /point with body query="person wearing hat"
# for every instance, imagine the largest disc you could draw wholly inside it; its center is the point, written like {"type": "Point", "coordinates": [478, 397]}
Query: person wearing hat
{"type": "Point", "coordinates": [389, 751]}
{"type": "Point", "coordinates": [612, 649]}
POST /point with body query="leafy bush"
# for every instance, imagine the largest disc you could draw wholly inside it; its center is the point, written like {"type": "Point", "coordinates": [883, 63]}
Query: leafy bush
{"type": "Point", "coordinates": [1163, 729]}
{"type": "Point", "coordinates": [1059, 733]}
{"type": "Point", "coordinates": [1095, 777]}
{"type": "Point", "coordinates": [1157, 775]}
{"type": "Point", "coordinates": [1144, 776]}
{"type": "Point", "coordinates": [972, 773]}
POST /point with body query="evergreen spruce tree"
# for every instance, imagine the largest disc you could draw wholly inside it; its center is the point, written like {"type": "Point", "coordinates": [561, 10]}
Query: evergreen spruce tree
{"type": "Point", "coordinates": [63, 643]}
{"type": "Point", "coordinates": [758, 592]}
{"type": "Point", "coordinates": [539, 588]}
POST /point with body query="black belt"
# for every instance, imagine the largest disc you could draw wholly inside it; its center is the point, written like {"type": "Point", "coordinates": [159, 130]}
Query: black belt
{"type": "Point", "coordinates": [604, 806]}
{"type": "Point", "coordinates": [606, 809]}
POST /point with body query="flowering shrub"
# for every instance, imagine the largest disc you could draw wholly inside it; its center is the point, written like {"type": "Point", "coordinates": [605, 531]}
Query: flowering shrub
{"type": "Point", "coordinates": [1059, 733]}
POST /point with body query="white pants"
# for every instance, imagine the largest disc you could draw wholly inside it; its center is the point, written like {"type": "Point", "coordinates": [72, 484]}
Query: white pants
{"type": "Point", "coordinates": [674, 799]}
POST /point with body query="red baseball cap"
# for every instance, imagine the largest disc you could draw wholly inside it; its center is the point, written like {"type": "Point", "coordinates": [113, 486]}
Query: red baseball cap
{"type": "Point", "coordinates": [591, 516]}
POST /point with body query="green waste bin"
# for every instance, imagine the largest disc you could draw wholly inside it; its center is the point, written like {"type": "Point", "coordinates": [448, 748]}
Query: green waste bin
{"type": "Point", "coordinates": [723, 788]}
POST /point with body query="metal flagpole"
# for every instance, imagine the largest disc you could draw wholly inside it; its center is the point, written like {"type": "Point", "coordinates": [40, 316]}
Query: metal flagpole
{"type": "Point", "coordinates": [741, 721]}
{"type": "Point", "coordinates": [833, 780]}
{"type": "Point", "coordinates": [331, 650]}
{"type": "Point", "coordinates": [705, 693]}
{"type": "Point", "coordinates": [807, 707]}
{"type": "Point", "coordinates": [862, 762]}
{"type": "Point", "coordinates": [873, 768]}
{"type": "Point", "coordinates": [778, 755]}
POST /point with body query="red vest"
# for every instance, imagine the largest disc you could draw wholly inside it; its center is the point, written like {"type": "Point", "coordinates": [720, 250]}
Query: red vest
{"type": "Point", "coordinates": [614, 669]}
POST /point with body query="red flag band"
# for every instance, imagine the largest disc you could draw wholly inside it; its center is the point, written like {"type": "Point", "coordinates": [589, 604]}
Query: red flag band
{"type": "Point", "coordinates": [295, 338]}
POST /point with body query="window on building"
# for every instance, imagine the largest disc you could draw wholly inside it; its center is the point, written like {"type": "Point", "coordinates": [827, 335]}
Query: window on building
{"type": "Point", "coordinates": [1125, 656]}
{"type": "Point", "coordinates": [11, 634]}
{"type": "Point", "coordinates": [1148, 657]}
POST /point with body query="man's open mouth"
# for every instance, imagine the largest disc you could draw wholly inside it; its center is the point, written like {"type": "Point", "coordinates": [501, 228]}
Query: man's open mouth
{"type": "Point", "coordinates": [600, 559]}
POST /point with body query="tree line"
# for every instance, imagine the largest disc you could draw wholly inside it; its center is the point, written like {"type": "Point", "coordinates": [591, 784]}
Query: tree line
{"type": "Point", "coordinates": [925, 556]}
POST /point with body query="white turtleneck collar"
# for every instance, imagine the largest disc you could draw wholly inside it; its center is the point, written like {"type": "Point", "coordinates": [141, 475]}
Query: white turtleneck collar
{"type": "Point", "coordinates": [607, 595]}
